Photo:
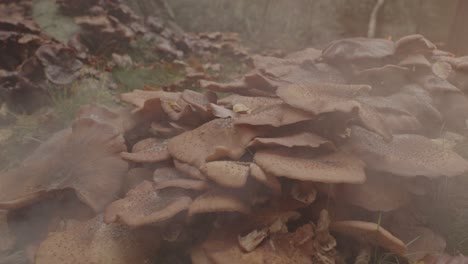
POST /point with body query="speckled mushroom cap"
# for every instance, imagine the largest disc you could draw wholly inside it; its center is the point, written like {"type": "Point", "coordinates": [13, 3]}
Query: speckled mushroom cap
{"type": "Point", "coordinates": [168, 177]}
{"type": "Point", "coordinates": [214, 140]}
{"type": "Point", "coordinates": [355, 49]}
{"type": "Point", "coordinates": [264, 178]}
{"type": "Point", "coordinates": [413, 44]}
{"type": "Point", "coordinates": [370, 233]}
{"type": "Point", "coordinates": [300, 139]}
{"type": "Point", "coordinates": [274, 115]}
{"type": "Point", "coordinates": [83, 158]}
{"type": "Point", "coordinates": [324, 98]}
{"type": "Point", "coordinates": [217, 201]}
{"type": "Point", "coordinates": [406, 155]}
{"type": "Point", "coordinates": [144, 205]}
{"type": "Point", "coordinates": [94, 241]}
{"type": "Point", "coordinates": [231, 174]}
{"type": "Point", "coordinates": [148, 150]}
{"type": "Point", "coordinates": [338, 167]}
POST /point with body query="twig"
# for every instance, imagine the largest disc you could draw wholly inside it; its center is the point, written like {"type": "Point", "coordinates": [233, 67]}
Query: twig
{"type": "Point", "coordinates": [373, 18]}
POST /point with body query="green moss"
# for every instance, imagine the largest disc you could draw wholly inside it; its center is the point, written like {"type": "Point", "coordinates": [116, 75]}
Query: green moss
{"type": "Point", "coordinates": [129, 79]}
{"type": "Point", "coordinates": [66, 102]}
{"type": "Point", "coordinates": [47, 15]}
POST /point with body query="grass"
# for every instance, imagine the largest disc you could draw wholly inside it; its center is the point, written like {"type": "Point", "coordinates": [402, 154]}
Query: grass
{"type": "Point", "coordinates": [47, 15]}
{"type": "Point", "coordinates": [132, 78]}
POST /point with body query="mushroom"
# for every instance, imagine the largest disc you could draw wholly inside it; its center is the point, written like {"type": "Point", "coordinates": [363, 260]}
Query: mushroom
{"type": "Point", "coordinates": [363, 51]}
{"type": "Point", "coordinates": [217, 201]}
{"type": "Point", "coordinates": [229, 174]}
{"type": "Point", "coordinates": [406, 155]}
{"type": "Point", "coordinates": [372, 233]}
{"type": "Point", "coordinates": [144, 205]}
{"type": "Point", "coordinates": [167, 177]}
{"type": "Point", "coordinates": [216, 139]}
{"type": "Point", "coordinates": [415, 61]}
{"type": "Point", "coordinates": [94, 241]}
{"type": "Point", "coordinates": [274, 115]}
{"type": "Point", "coordinates": [189, 170]}
{"type": "Point", "coordinates": [136, 176]}
{"type": "Point", "coordinates": [264, 178]}
{"type": "Point", "coordinates": [324, 98]}
{"type": "Point", "coordinates": [338, 167]}
{"type": "Point", "coordinates": [83, 158]}
{"type": "Point", "coordinates": [148, 150]}
{"type": "Point", "coordinates": [384, 80]}
{"type": "Point", "coordinates": [412, 44]}
{"type": "Point", "coordinates": [301, 139]}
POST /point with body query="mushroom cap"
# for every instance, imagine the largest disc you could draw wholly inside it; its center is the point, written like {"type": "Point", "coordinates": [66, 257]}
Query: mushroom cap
{"type": "Point", "coordinates": [358, 49]}
{"type": "Point", "coordinates": [266, 179]}
{"type": "Point", "coordinates": [370, 233]}
{"type": "Point", "coordinates": [148, 150]}
{"type": "Point", "coordinates": [415, 60]}
{"type": "Point", "coordinates": [337, 167]}
{"type": "Point", "coordinates": [216, 139]}
{"type": "Point", "coordinates": [168, 177]}
{"type": "Point", "coordinates": [274, 115]}
{"type": "Point", "coordinates": [217, 201]}
{"type": "Point", "coordinates": [250, 102]}
{"type": "Point", "coordinates": [83, 158]}
{"type": "Point", "coordinates": [120, 119]}
{"type": "Point", "coordinates": [230, 174]}
{"type": "Point", "coordinates": [384, 80]}
{"type": "Point", "coordinates": [406, 155]}
{"type": "Point", "coordinates": [94, 241]}
{"type": "Point", "coordinates": [144, 205]}
{"type": "Point", "coordinates": [236, 87]}
{"type": "Point", "coordinates": [381, 193]}
{"type": "Point", "coordinates": [189, 170]}
{"type": "Point", "coordinates": [412, 44]}
{"type": "Point", "coordinates": [300, 139]}
{"type": "Point", "coordinates": [323, 98]}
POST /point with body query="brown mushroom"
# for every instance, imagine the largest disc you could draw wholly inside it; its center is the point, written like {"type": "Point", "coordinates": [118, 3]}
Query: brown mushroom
{"type": "Point", "coordinates": [216, 139]}
{"type": "Point", "coordinates": [167, 177]}
{"type": "Point", "coordinates": [412, 44]}
{"type": "Point", "coordinates": [189, 170]}
{"type": "Point", "coordinates": [358, 50]}
{"type": "Point", "coordinates": [231, 174]}
{"type": "Point", "coordinates": [415, 61]}
{"type": "Point", "coordinates": [144, 205]}
{"type": "Point", "coordinates": [301, 139]}
{"type": "Point", "coordinates": [217, 201]}
{"type": "Point", "coordinates": [83, 158]}
{"type": "Point", "coordinates": [324, 98]}
{"type": "Point", "coordinates": [148, 150]}
{"type": "Point", "coordinates": [264, 178]}
{"type": "Point", "coordinates": [94, 241]}
{"type": "Point", "coordinates": [338, 167]}
{"type": "Point", "coordinates": [406, 155]}
{"type": "Point", "coordinates": [274, 115]}
{"type": "Point", "coordinates": [370, 233]}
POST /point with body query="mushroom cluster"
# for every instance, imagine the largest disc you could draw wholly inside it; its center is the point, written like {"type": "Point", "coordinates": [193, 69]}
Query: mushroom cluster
{"type": "Point", "coordinates": [314, 157]}
{"type": "Point", "coordinates": [29, 59]}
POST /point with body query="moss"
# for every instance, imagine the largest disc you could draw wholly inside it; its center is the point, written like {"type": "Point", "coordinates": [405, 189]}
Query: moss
{"type": "Point", "coordinates": [158, 76]}
{"type": "Point", "coordinates": [47, 16]}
